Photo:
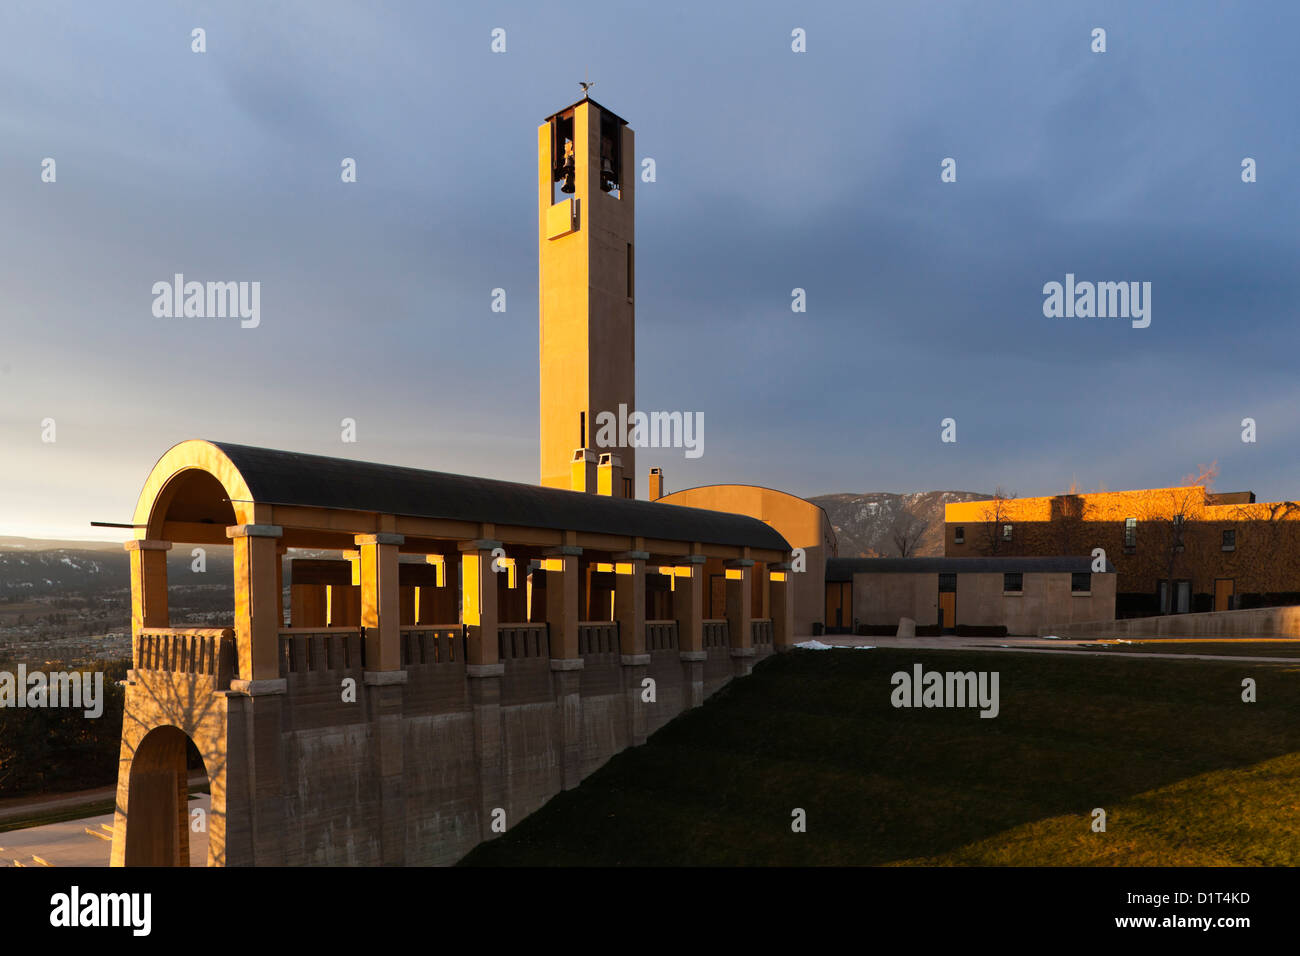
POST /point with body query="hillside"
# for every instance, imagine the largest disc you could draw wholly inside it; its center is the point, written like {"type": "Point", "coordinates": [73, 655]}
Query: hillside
{"type": "Point", "coordinates": [34, 568]}
{"type": "Point", "coordinates": [864, 523]}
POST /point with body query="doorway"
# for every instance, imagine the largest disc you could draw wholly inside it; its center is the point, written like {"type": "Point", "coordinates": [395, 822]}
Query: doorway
{"type": "Point", "coordinates": [1224, 593]}
{"type": "Point", "coordinates": [947, 602]}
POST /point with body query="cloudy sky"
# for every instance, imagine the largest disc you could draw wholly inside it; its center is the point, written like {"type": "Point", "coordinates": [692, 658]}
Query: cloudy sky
{"type": "Point", "coordinates": [775, 170]}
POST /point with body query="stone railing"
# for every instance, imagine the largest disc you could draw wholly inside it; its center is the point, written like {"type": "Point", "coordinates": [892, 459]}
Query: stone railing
{"type": "Point", "coordinates": [522, 641]}
{"type": "Point", "coordinates": [433, 644]}
{"type": "Point", "coordinates": [598, 639]}
{"type": "Point", "coordinates": [306, 650]}
{"type": "Point", "coordinates": [715, 633]}
{"type": "Point", "coordinates": [187, 650]}
{"type": "Point", "coordinates": [761, 631]}
{"type": "Point", "coordinates": [660, 636]}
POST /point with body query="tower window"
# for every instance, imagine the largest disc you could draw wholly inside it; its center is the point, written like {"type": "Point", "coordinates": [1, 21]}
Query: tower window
{"type": "Point", "coordinates": [631, 277]}
{"type": "Point", "coordinates": [582, 429]}
{"type": "Point", "coordinates": [611, 155]}
{"type": "Point", "coordinates": [564, 168]}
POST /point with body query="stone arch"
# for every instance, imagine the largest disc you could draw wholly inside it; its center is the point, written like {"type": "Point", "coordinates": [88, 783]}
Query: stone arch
{"type": "Point", "coordinates": [193, 484]}
{"type": "Point", "coordinates": [158, 822]}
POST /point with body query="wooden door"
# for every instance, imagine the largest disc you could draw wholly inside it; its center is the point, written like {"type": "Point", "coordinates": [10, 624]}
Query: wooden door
{"type": "Point", "coordinates": [1224, 589]}
{"type": "Point", "coordinates": [947, 610]}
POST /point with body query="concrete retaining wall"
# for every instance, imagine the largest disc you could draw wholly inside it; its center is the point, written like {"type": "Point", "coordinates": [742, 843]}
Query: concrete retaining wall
{"type": "Point", "coordinates": [1254, 622]}
{"type": "Point", "coordinates": [415, 769]}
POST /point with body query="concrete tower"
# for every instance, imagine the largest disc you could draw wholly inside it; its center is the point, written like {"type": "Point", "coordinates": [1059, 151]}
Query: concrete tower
{"type": "Point", "coordinates": [586, 259]}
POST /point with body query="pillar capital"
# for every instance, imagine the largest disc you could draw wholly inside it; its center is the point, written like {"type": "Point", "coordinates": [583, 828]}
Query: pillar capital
{"type": "Point", "coordinates": [478, 544]}
{"type": "Point", "coordinates": [632, 556]}
{"type": "Point", "coordinates": [563, 551]}
{"type": "Point", "coordinates": [146, 544]}
{"type": "Point", "coordinates": [382, 537]}
{"type": "Point", "coordinates": [691, 559]}
{"type": "Point", "coordinates": [741, 563]}
{"type": "Point", "coordinates": [254, 531]}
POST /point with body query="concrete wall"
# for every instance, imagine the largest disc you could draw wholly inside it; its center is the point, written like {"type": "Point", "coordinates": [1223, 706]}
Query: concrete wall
{"type": "Point", "coordinates": [1255, 622]}
{"type": "Point", "coordinates": [411, 772]}
{"type": "Point", "coordinates": [1046, 600]}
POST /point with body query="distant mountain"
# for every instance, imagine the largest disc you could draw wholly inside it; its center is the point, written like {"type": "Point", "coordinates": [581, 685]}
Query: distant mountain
{"type": "Point", "coordinates": [864, 523]}
{"type": "Point", "coordinates": [34, 568]}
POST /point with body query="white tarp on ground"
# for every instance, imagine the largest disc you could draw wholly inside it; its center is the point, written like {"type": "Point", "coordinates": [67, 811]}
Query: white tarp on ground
{"type": "Point", "coordinates": [819, 646]}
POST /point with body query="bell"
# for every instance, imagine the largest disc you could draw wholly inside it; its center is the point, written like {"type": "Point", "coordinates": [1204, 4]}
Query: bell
{"type": "Point", "coordinates": [607, 178]}
{"type": "Point", "coordinates": [566, 176]}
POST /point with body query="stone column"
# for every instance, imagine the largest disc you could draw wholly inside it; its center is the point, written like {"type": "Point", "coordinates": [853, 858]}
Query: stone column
{"type": "Point", "coordinates": [257, 605]}
{"type": "Point", "coordinates": [563, 565]}
{"type": "Point", "coordinates": [484, 671]}
{"type": "Point", "coordinates": [383, 677]}
{"type": "Point", "coordinates": [688, 609]}
{"type": "Point", "coordinates": [254, 784]}
{"type": "Point", "coordinates": [479, 600]}
{"type": "Point", "coordinates": [380, 602]}
{"type": "Point", "coordinates": [781, 588]}
{"type": "Point", "coordinates": [740, 614]}
{"type": "Point", "coordinates": [148, 588]}
{"type": "Point", "coordinates": [629, 612]}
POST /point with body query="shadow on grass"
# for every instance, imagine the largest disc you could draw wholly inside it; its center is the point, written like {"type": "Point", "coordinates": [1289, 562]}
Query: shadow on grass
{"type": "Point", "coordinates": [816, 731]}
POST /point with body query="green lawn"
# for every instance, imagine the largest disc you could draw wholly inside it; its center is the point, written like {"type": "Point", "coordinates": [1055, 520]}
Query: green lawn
{"type": "Point", "coordinates": [1188, 773]}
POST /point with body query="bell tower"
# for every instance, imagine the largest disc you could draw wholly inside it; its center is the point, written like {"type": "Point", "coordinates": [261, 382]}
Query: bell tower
{"type": "Point", "coordinates": [586, 270]}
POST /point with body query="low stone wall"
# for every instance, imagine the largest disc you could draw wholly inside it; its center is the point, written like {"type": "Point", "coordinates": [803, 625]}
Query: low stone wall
{"type": "Point", "coordinates": [1253, 622]}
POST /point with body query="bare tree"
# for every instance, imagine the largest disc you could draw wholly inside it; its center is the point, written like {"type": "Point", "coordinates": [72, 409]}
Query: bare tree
{"type": "Point", "coordinates": [1262, 540]}
{"type": "Point", "coordinates": [1070, 514]}
{"type": "Point", "coordinates": [906, 534]}
{"type": "Point", "coordinates": [1173, 521]}
{"type": "Point", "coordinates": [996, 515]}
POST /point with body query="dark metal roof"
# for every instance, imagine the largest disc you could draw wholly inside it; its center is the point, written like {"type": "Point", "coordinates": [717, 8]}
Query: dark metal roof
{"type": "Point", "coordinates": [290, 478]}
{"type": "Point", "coordinates": [586, 99]}
{"type": "Point", "coordinates": [843, 569]}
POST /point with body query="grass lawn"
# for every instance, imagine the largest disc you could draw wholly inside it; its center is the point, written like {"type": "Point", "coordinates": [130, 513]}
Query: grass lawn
{"type": "Point", "coordinates": [1187, 772]}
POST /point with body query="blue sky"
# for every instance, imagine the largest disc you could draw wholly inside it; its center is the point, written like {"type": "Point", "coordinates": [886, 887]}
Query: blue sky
{"type": "Point", "coordinates": [775, 170]}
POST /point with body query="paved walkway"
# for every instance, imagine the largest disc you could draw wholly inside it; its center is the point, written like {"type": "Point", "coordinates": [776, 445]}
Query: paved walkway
{"type": "Point", "coordinates": [13, 807]}
{"type": "Point", "coordinates": [1038, 645]}
{"type": "Point", "coordinates": [68, 843]}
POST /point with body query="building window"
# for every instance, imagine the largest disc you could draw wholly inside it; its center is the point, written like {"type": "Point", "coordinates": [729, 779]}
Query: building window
{"type": "Point", "coordinates": [1006, 532]}
{"type": "Point", "coordinates": [1230, 541]}
{"type": "Point", "coordinates": [1081, 582]}
{"type": "Point", "coordinates": [1130, 533]}
{"type": "Point", "coordinates": [627, 487]}
{"type": "Point", "coordinates": [948, 581]}
{"type": "Point", "coordinates": [1013, 582]}
{"type": "Point", "coordinates": [959, 534]}
{"type": "Point", "coordinates": [631, 273]}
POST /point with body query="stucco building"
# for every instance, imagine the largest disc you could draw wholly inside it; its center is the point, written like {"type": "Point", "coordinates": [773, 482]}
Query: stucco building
{"type": "Point", "coordinates": [1007, 595]}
